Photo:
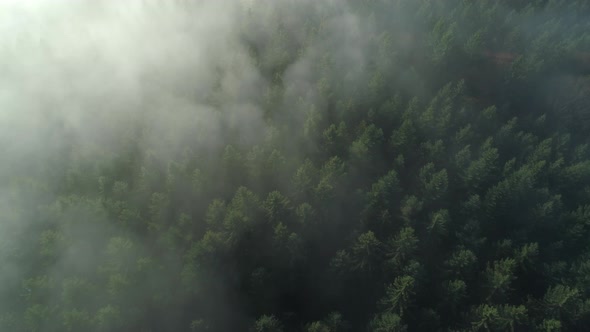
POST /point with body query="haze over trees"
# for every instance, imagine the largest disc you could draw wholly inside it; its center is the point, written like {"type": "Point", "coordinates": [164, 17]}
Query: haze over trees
{"type": "Point", "coordinates": [277, 166]}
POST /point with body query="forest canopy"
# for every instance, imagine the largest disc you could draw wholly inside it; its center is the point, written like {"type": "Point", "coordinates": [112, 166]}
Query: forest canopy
{"type": "Point", "coordinates": [277, 166]}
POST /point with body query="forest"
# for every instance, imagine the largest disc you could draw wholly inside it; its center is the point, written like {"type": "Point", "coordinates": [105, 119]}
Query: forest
{"type": "Point", "coordinates": [278, 166]}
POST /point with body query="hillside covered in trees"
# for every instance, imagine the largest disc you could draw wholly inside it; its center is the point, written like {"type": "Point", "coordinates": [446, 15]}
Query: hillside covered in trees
{"type": "Point", "coordinates": [278, 166]}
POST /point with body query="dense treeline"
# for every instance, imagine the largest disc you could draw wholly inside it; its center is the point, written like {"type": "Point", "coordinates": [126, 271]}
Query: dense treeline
{"type": "Point", "coordinates": [429, 173]}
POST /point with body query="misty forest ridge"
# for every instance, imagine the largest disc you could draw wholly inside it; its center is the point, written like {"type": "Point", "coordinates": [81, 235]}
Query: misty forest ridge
{"type": "Point", "coordinates": [294, 165]}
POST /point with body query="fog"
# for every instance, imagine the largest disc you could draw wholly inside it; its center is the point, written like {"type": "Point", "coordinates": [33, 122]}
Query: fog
{"type": "Point", "coordinates": [99, 97]}
{"type": "Point", "coordinates": [80, 77]}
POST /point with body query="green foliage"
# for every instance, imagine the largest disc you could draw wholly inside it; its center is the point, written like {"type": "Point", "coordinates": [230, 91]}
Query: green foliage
{"type": "Point", "coordinates": [461, 262]}
{"type": "Point", "coordinates": [499, 276]}
{"type": "Point", "coordinates": [76, 320]}
{"type": "Point", "coordinates": [455, 291]}
{"type": "Point", "coordinates": [527, 255]}
{"type": "Point", "coordinates": [331, 166]}
{"type": "Point", "coordinates": [267, 324]}
{"type": "Point", "coordinates": [37, 317]}
{"type": "Point", "coordinates": [368, 141]}
{"type": "Point", "coordinates": [330, 174]}
{"type": "Point", "coordinates": [550, 325]}
{"type": "Point", "coordinates": [411, 206]}
{"type": "Point", "coordinates": [366, 252]}
{"type": "Point", "coordinates": [51, 243]}
{"type": "Point", "coordinates": [403, 137]}
{"type": "Point", "coordinates": [332, 323]}
{"type": "Point", "coordinates": [399, 295]}
{"type": "Point", "coordinates": [434, 183]}
{"type": "Point", "coordinates": [403, 246]}
{"type": "Point", "coordinates": [305, 179]}
{"type": "Point", "coordinates": [480, 170]}
{"type": "Point", "coordinates": [561, 301]}
{"type": "Point", "coordinates": [108, 318]}
{"type": "Point", "coordinates": [335, 139]}
{"type": "Point", "coordinates": [276, 206]}
{"type": "Point", "coordinates": [388, 322]}
{"type": "Point", "coordinates": [383, 196]}
{"type": "Point", "coordinates": [439, 222]}
{"type": "Point", "coordinates": [442, 40]}
{"type": "Point", "coordinates": [500, 318]}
